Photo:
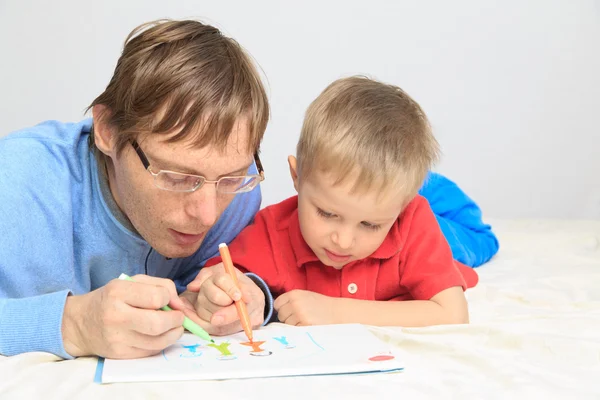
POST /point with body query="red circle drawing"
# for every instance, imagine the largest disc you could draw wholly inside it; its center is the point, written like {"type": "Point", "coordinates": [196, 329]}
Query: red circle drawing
{"type": "Point", "coordinates": [381, 358]}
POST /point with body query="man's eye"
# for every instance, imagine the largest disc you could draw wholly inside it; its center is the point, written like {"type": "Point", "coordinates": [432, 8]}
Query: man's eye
{"type": "Point", "coordinates": [177, 178]}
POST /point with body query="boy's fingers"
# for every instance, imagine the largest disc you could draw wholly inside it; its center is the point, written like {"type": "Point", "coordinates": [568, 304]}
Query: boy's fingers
{"type": "Point", "coordinates": [280, 302]}
{"type": "Point", "coordinates": [225, 316]}
{"type": "Point", "coordinates": [227, 285]}
{"type": "Point", "coordinates": [215, 295]}
{"type": "Point", "coordinates": [203, 275]}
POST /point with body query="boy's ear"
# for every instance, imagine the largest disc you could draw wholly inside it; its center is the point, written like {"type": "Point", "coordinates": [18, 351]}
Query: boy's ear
{"type": "Point", "coordinates": [293, 171]}
{"type": "Point", "coordinates": [103, 136]}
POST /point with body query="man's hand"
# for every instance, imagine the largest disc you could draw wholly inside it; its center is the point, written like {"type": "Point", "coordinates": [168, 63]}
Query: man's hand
{"type": "Point", "coordinates": [122, 319]}
{"type": "Point", "coordinates": [301, 307]}
{"type": "Point", "coordinates": [212, 294]}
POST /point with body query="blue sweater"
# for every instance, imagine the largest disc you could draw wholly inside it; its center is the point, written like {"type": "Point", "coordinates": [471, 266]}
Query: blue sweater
{"type": "Point", "coordinates": [60, 237]}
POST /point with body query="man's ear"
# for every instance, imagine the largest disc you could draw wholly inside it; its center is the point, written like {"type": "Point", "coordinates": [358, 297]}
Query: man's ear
{"type": "Point", "coordinates": [103, 134]}
{"type": "Point", "coordinates": [293, 171]}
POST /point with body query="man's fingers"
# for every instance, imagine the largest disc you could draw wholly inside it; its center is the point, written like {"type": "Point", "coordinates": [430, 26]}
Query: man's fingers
{"type": "Point", "coordinates": [154, 323]}
{"type": "Point", "coordinates": [142, 295]}
{"type": "Point", "coordinates": [167, 284]}
{"type": "Point", "coordinates": [193, 315]}
{"type": "Point", "coordinates": [159, 342]}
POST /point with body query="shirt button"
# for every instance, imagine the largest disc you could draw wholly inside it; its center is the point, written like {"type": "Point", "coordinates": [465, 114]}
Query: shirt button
{"type": "Point", "coordinates": [352, 288]}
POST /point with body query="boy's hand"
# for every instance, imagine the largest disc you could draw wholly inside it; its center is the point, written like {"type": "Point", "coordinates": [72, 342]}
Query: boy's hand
{"type": "Point", "coordinates": [212, 294]}
{"type": "Point", "coordinates": [302, 307]}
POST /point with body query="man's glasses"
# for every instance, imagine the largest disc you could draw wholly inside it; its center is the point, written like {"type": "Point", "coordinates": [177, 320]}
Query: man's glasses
{"type": "Point", "coordinates": [178, 182]}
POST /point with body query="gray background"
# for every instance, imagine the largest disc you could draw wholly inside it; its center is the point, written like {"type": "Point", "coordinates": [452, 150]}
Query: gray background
{"type": "Point", "coordinates": [511, 87]}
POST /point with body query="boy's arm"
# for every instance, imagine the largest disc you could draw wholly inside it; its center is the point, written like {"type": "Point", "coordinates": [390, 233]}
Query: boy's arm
{"type": "Point", "coordinates": [447, 307]}
{"type": "Point", "coordinates": [253, 253]}
{"type": "Point", "coordinates": [471, 240]}
{"type": "Point", "coordinates": [301, 307]}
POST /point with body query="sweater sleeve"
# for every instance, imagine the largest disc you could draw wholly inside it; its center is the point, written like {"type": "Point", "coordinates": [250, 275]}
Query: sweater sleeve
{"type": "Point", "coordinates": [471, 240]}
{"type": "Point", "coordinates": [33, 324]}
{"type": "Point", "coordinates": [36, 255]}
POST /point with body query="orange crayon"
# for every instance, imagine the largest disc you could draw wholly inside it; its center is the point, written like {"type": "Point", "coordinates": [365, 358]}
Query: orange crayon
{"type": "Point", "coordinates": [239, 304]}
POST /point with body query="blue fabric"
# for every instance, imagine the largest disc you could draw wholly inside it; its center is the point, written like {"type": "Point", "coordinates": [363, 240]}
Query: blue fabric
{"type": "Point", "coordinates": [472, 241]}
{"type": "Point", "coordinates": [59, 236]}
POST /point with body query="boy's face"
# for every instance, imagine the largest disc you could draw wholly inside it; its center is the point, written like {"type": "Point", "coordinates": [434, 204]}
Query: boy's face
{"type": "Point", "coordinates": [341, 227]}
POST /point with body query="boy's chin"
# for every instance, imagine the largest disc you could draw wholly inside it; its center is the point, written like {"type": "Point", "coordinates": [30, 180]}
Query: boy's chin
{"type": "Point", "coordinates": [333, 265]}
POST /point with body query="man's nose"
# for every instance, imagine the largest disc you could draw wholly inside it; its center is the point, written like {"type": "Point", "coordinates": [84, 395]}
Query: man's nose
{"type": "Point", "coordinates": [203, 204]}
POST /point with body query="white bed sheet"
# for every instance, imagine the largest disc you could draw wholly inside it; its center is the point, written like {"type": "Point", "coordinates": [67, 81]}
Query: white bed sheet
{"type": "Point", "coordinates": [534, 331]}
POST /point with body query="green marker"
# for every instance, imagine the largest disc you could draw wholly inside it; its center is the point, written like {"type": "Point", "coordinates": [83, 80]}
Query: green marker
{"type": "Point", "coordinates": [187, 323]}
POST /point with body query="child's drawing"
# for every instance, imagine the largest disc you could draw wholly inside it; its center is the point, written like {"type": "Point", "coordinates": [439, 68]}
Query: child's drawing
{"type": "Point", "coordinates": [283, 340]}
{"type": "Point", "coordinates": [256, 350]}
{"type": "Point", "coordinates": [224, 350]}
{"type": "Point", "coordinates": [318, 349]}
{"type": "Point", "coordinates": [192, 351]}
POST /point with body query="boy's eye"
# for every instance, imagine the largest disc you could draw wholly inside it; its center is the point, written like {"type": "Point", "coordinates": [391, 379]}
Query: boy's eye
{"type": "Point", "coordinates": [324, 214]}
{"type": "Point", "coordinates": [368, 225]}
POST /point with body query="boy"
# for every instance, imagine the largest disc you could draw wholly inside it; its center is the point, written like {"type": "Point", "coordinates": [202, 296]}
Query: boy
{"type": "Point", "coordinates": [357, 235]}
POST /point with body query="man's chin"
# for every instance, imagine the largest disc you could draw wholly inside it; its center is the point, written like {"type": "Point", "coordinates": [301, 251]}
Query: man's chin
{"type": "Point", "coordinates": [178, 251]}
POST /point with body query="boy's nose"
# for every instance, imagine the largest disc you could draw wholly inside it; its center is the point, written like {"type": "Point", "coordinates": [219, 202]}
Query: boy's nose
{"type": "Point", "coordinates": [343, 238]}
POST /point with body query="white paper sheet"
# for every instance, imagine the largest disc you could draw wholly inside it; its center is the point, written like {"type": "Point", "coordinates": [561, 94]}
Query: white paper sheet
{"type": "Point", "coordinates": [316, 350]}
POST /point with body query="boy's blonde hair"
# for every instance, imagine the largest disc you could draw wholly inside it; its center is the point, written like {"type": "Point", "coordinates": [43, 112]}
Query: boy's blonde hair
{"type": "Point", "coordinates": [370, 132]}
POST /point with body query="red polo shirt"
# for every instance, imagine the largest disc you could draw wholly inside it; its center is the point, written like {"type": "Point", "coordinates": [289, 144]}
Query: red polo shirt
{"type": "Point", "coordinates": [414, 262]}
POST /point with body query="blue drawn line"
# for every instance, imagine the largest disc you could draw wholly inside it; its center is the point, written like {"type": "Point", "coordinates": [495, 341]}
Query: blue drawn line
{"type": "Point", "coordinates": [313, 340]}
{"type": "Point", "coordinates": [191, 348]}
{"type": "Point", "coordinates": [163, 353]}
{"type": "Point", "coordinates": [282, 340]}
{"type": "Point", "coordinates": [99, 370]}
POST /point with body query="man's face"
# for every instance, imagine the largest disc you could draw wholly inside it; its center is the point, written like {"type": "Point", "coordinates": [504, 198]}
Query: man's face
{"type": "Point", "coordinates": [175, 223]}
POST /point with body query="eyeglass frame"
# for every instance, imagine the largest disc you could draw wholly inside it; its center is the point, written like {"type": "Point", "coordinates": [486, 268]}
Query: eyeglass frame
{"type": "Point", "coordinates": [146, 164]}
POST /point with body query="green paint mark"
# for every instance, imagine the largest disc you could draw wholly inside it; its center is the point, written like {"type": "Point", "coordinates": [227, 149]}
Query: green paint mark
{"type": "Point", "coordinates": [223, 348]}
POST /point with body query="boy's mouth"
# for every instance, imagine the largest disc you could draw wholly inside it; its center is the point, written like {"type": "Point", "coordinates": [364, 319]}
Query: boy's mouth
{"type": "Point", "coordinates": [337, 257]}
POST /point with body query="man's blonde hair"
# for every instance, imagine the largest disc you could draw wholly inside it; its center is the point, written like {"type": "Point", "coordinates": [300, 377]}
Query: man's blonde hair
{"type": "Point", "coordinates": [372, 133]}
{"type": "Point", "coordinates": [184, 77]}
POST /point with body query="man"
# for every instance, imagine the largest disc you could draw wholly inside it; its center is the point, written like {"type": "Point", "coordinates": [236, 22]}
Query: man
{"type": "Point", "coordinates": [183, 98]}
{"type": "Point", "coordinates": [166, 170]}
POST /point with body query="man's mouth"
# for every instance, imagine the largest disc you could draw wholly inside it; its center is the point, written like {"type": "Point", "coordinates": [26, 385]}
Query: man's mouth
{"type": "Point", "coordinates": [186, 239]}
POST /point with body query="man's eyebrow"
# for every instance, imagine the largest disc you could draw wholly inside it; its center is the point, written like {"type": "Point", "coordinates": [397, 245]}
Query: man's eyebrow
{"type": "Point", "coordinates": [169, 165]}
